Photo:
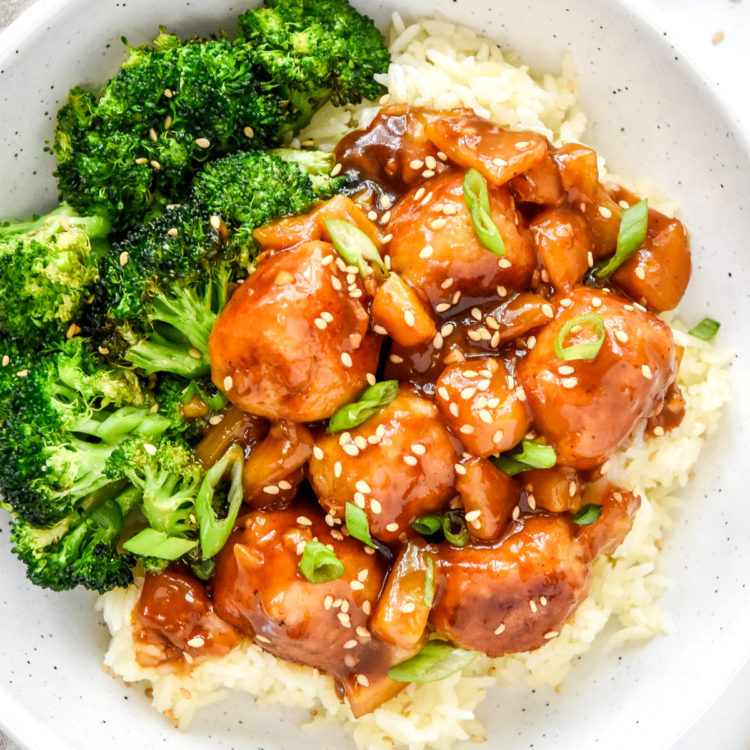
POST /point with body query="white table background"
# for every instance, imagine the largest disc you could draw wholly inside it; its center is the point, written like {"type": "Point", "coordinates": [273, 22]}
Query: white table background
{"type": "Point", "coordinates": [693, 24]}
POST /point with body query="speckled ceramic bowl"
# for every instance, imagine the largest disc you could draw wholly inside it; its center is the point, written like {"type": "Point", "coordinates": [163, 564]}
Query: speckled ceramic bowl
{"type": "Point", "coordinates": [650, 114]}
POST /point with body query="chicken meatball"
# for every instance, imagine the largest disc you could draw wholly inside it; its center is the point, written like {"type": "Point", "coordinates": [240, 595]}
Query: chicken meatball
{"type": "Point", "coordinates": [397, 465]}
{"type": "Point", "coordinates": [259, 588]}
{"type": "Point", "coordinates": [293, 341]}
{"type": "Point", "coordinates": [516, 594]}
{"type": "Point", "coordinates": [587, 407]}
{"type": "Point", "coordinates": [435, 247]}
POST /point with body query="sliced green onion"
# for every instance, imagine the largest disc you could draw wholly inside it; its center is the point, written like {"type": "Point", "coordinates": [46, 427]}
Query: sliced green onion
{"type": "Point", "coordinates": [436, 661]}
{"type": "Point", "coordinates": [354, 246]}
{"type": "Point", "coordinates": [633, 227]}
{"type": "Point", "coordinates": [214, 531]}
{"type": "Point", "coordinates": [586, 350]}
{"type": "Point", "coordinates": [533, 455]}
{"type": "Point", "coordinates": [217, 402]}
{"type": "Point", "coordinates": [429, 582]}
{"type": "Point", "coordinates": [356, 522]}
{"type": "Point", "coordinates": [153, 543]}
{"type": "Point", "coordinates": [454, 529]}
{"type": "Point", "coordinates": [373, 399]}
{"type": "Point", "coordinates": [427, 525]}
{"type": "Point", "coordinates": [320, 564]}
{"type": "Point", "coordinates": [587, 514]}
{"type": "Point", "coordinates": [706, 329]}
{"type": "Point", "coordinates": [478, 202]}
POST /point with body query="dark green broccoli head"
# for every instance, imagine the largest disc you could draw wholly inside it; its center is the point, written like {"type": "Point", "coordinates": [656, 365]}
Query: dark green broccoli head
{"type": "Point", "coordinates": [80, 550]}
{"type": "Point", "coordinates": [169, 478]}
{"type": "Point", "coordinates": [319, 49]}
{"type": "Point", "coordinates": [170, 108]}
{"type": "Point", "coordinates": [47, 268]}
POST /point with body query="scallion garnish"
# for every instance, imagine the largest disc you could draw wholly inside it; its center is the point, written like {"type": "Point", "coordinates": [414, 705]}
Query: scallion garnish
{"type": "Point", "coordinates": [354, 246]}
{"type": "Point", "coordinates": [454, 529]}
{"type": "Point", "coordinates": [217, 402]}
{"type": "Point", "coordinates": [214, 531]}
{"type": "Point", "coordinates": [372, 400]}
{"type": "Point", "coordinates": [587, 349]}
{"type": "Point", "coordinates": [478, 202]}
{"type": "Point", "coordinates": [706, 329]}
{"type": "Point", "coordinates": [153, 543]}
{"type": "Point", "coordinates": [633, 227]}
{"type": "Point", "coordinates": [533, 455]}
{"type": "Point", "coordinates": [356, 522]}
{"type": "Point", "coordinates": [427, 525]}
{"type": "Point", "coordinates": [587, 514]}
{"type": "Point", "coordinates": [319, 564]}
{"type": "Point", "coordinates": [436, 661]}
{"type": "Point", "coordinates": [429, 582]}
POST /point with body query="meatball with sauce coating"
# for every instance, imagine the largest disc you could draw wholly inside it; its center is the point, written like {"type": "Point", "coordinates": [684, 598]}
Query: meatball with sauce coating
{"type": "Point", "coordinates": [435, 246]}
{"type": "Point", "coordinates": [586, 408]}
{"type": "Point", "coordinates": [293, 342]}
{"type": "Point", "coordinates": [516, 594]}
{"type": "Point", "coordinates": [396, 465]}
{"type": "Point", "coordinates": [259, 589]}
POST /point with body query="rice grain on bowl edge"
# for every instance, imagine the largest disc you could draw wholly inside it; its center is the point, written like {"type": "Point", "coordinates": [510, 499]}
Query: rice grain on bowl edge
{"type": "Point", "coordinates": [438, 64]}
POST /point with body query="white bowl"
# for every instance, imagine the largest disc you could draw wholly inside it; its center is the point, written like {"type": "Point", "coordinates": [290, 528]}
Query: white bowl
{"type": "Point", "coordinates": [650, 114]}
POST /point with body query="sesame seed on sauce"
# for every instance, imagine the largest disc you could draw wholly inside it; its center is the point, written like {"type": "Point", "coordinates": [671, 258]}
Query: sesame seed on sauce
{"type": "Point", "coordinates": [362, 680]}
{"type": "Point", "coordinates": [409, 318]}
{"type": "Point", "coordinates": [497, 437]}
{"type": "Point", "coordinates": [459, 469]}
{"type": "Point", "coordinates": [410, 460]}
{"type": "Point", "coordinates": [346, 359]}
{"type": "Point", "coordinates": [596, 302]}
{"type": "Point", "coordinates": [271, 489]}
{"type": "Point", "coordinates": [372, 215]}
{"type": "Point", "coordinates": [390, 527]}
{"type": "Point", "coordinates": [124, 258]}
{"type": "Point", "coordinates": [408, 608]}
{"type": "Point", "coordinates": [443, 307]}
{"type": "Point", "coordinates": [385, 218]}
{"type": "Point", "coordinates": [418, 449]}
{"type": "Point", "coordinates": [605, 212]}
{"type": "Point", "coordinates": [646, 370]}
{"type": "Point", "coordinates": [426, 252]}
{"type": "Point", "coordinates": [590, 258]}
{"type": "Point", "coordinates": [565, 370]}
{"type": "Point", "coordinates": [516, 513]}
{"type": "Point", "coordinates": [453, 408]}
{"type": "Point", "coordinates": [376, 507]}
{"type": "Point", "coordinates": [467, 429]}
{"type": "Point", "coordinates": [500, 629]}
{"type": "Point", "coordinates": [350, 449]}
{"type": "Point", "coordinates": [356, 585]}
{"type": "Point", "coordinates": [228, 383]}
{"type": "Point", "coordinates": [418, 195]}
{"type": "Point", "coordinates": [447, 283]}
{"type": "Point", "coordinates": [473, 515]}
{"type": "Point", "coordinates": [504, 263]}
{"type": "Point", "coordinates": [351, 644]}
{"type": "Point", "coordinates": [547, 311]}
{"type": "Point", "coordinates": [304, 521]}
{"type": "Point", "coordinates": [285, 485]}
{"type": "Point", "coordinates": [640, 272]}
{"type": "Point", "coordinates": [532, 605]}
{"type": "Point", "coordinates": [569, 382]}
{"type": "Point", "coordinates": [416, 164]}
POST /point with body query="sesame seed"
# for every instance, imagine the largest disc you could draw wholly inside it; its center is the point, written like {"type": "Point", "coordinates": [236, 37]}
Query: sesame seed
{"type": "Point", "coordinates": [346, 621]}
{"type": "Point", "coordinates": [351, 644]}
{"type": "Point", "coordinates": [385, 218]}
{"type": "Point", "coordinates": [572, 488]}
{"type": "Point", "coordinates": [443, 307]}
{"type": "Point", "coordinates": [392, 527]}
{"type": "Point", "coordinates": [228, 383]}
{"type": "Point", "coordinates": [468, 392]}
{"type": "Point", "coordinates": [596, 302]}
{"type": "Point", "coordinates": [196, 641]}
{"type": "Point", "coordinates": [532, 605]}
{"type": "Point", "coordinates": [590, 258]}
{"type": "Point", "coordinates": [141, 161]}
{"type": "Point", "coordinates": [646, 370]}
{"type": "Point", "coordinates": [605, 212]}
{"type": "Point", "coordinates": [516, 513]}
{"type": "Point", "coordinates": [500, 629]}
{"type": "Point", "coordinates": [437, 341]}
{"type": "Point", "coordinates": [420, 192]}
{"type": "Point", "coordinates": [350, 449]}
{"type": "Point", "coordinates": [6, 360]}
{"type": "Point", "coordinates": [497, 437]}
{"type": "Point", "coordinates": [467, 429]}
{"type": "Point", "coordinates": [362, 680]}
{"type": "Point", "coordinates": [453, 408]}
{"type": "Point", "coordinates": [320, 323]}
{"type": "Point", "coordinates": [338, 536]}
{"type": "Point", "coordinates": [473, 515]}
{"type": "Point", "coordinates": [483, 384]}
{"type": "Point", "coordinates": [531, 500]}
{"type": "Point", "coordinates": [531, 342]}
{"type": "Point", "coordinates": [356, 585]}
{"type": "Point", "coordinates": [498, 162]}
{"type": "Point", "coordinates": [168, 93]}
{"type": "Point", "coordinates": [416, 164]}
{"type": "Point", "coordinates": [569, 382]}
{"type": "Point", "coordinates": [375, 506]}
{"type": "Point", "coordinates": [504, 263]}
{"type": "Point", "coordinates": [362, 486]}
{"type": "Point", "coordinates": [426, 252]}
{"type": "Point", "coordinates": [124, 258]}
{"type": "Point", "coordinates": [485, 416]}
{"type": "Point", "coordinates": [520, 394]}
{"type": "Point", "coordinates": [408, 608]}
{"type": "Point", "coordinates": [396, 359]}
{"type": "Point", "coordinates": [328, 601]}
{"type": "Point", "coordinates": [271, 489]}
{"type": "Point", "coordinates": [565, 370]}
{"type": "Point", "coordinates": [409, 318]}
{"type": "Point", "coordinates": [302, 520]}
{"type": "Point", "coordinates": [640, 272]}
{"type": "Point", "coordinates": [566, 302]}
{"type": "Point", "coordinates": [370, 378]}
{"type": "Point", "coordinates": [418, 449]}
{"type": "Point", "coordinates": [410, 460]}
{"type": "Point", "coordinates": [336, 283]}
{"type": "Point", "coordinates": [547, 311]}
{"type": "Point", "coordinates": [459, 469]}
{"type": "Point", "coordinates": [337, 469]}
{"type": "Point", "coordinates": [639, 307]}
{"type": "Point", "coordinates": [551, 634]}
{"type": "Point", "coordinates": [346, 359]}
{"type": "Point", "coordinates": [155, 164]}
{"type": "Point", "coordinates": [443, 393]}
{"type": "Point", "coordinates": [658, 431]}
{"type": "Point", "coordinates": [474, 335]}
{"type": "Point", "coordinates": [522, 145]}
{"type": "Point", "coordinates": [438, 223]}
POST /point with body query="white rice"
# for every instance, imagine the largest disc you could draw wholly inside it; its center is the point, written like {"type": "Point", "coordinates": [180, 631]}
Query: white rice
{"type": "Point", "coordinates": [441, 65]}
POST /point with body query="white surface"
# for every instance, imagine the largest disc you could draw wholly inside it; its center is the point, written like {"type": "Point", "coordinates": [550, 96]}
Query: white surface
{"type": "Point", "coordinates": [663, 687]}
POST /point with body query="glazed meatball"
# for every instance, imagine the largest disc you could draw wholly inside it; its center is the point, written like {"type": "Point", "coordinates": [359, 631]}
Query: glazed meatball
{"type": "Point", "coordinates": [293, 341]}
{"type": "Point", "coordinates": [516, 594]}
{"type": "Point", "coordinates": [435, 247]}
{"type": "Point", "coordinates": [397, 465]}
{"type": "Point", "coordinates": [586, 408]}
{"type": "Point", "coordinates": [259, 589]}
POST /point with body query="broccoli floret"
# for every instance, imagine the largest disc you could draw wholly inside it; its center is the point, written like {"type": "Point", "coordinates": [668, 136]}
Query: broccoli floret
{"type": "Point", "coordinates": [81, 549]}
{"type": "Point", "coordinates": [61, 416]}
{"type": "Point", "coordinates": [169, 478]}
{"type": "Point", "coordinates": [317, 50]}
{"type": "Point", "coordinates": [48, 267]}
{"type": "Point", "coordinates": [162, 288]}
{"type": "Point", "coordinates": [171, 107]}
